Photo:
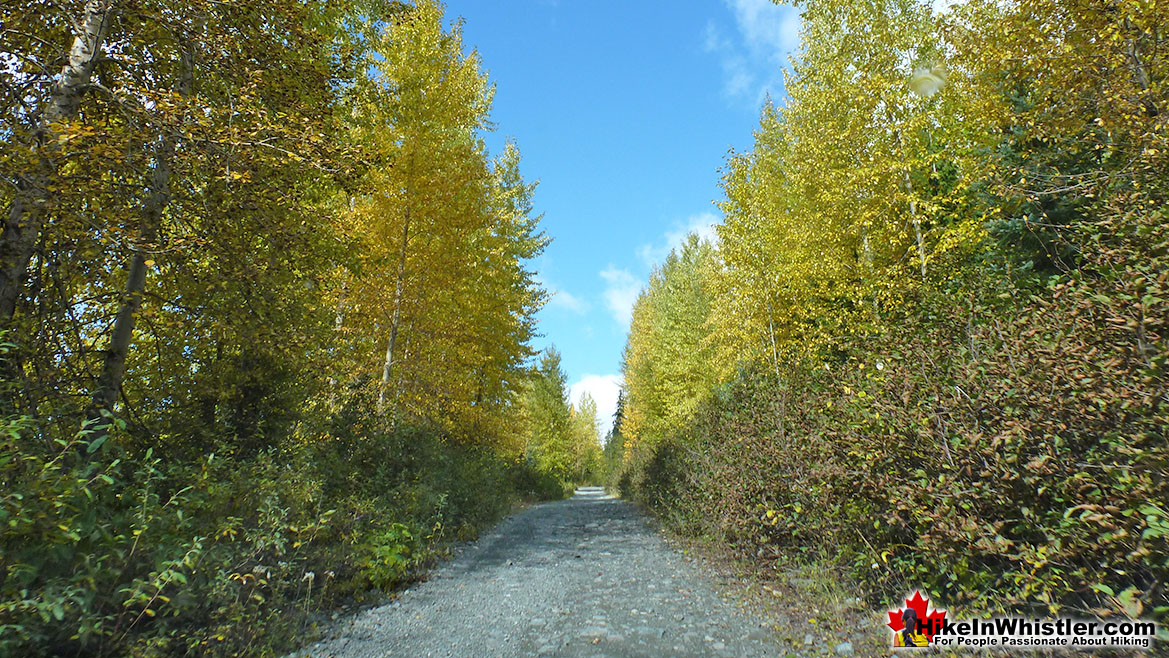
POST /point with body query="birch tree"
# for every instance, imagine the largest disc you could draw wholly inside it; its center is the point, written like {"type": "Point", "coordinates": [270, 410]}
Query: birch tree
{"type": "Point", "coordinates": [443, 293]}
{"type": "Point", "coordinates": [163, 119]}
{"type": "Point", "coordinates": [39, 106]}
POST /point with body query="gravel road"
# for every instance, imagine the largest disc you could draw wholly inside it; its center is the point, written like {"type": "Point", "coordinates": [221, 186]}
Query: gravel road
{"type": "Point", "coordinates": [579, 577]}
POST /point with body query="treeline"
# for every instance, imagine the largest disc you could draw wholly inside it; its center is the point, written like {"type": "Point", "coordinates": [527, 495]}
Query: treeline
{"type": "Point", "coordinates": [929, 346]}
{"type": "Point", "coordinates": [267, 309]}
{"type": "Point", "coordinates": [561, 439]}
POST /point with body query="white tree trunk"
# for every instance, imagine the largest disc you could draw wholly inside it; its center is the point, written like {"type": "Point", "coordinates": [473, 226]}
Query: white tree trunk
{"type": "Point", "coordinates": [396, 319]}
{"type": "Point", "coordinates": [83, 56]}
{"type": "Point", "coordinates": [26, 216]}
{"type": "Point", "coordinates": [916, 222]}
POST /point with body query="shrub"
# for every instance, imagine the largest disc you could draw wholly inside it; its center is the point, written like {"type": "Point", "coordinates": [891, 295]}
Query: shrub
{"type": "Point", "coordinates": [135, 556]}
{"type": "Point", "coordinates": [1002, 446]}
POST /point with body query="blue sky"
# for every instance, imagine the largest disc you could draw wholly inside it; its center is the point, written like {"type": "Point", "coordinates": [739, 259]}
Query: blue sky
{"type": "Point", "coordinates": [625, 112]}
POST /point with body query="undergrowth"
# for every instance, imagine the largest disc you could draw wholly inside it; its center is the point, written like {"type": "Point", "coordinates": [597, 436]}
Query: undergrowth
{"type": "Point", "coordinates": [1002, 445]}
{"type": "Point", "coordinates": [107, 553]}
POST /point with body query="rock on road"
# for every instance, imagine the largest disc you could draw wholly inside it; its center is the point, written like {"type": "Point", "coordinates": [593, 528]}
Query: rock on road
{"type": "Point", "coordinates": [580, 577]}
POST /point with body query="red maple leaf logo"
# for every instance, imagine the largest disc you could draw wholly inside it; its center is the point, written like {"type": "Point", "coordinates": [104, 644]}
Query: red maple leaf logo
{"type": "Point", "coordinates": [920, 606]}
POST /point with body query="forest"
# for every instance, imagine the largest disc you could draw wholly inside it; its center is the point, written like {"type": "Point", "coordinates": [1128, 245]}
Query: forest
{"type": "Point", "coordinates": [928, 347]}
{"type": "Point", "coordinates": [267, 310]}
{"type": "Point", "coordinates": [268, 317]}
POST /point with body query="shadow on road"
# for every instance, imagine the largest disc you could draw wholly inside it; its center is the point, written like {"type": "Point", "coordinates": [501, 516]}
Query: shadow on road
{"type": "Point", "coordinates": [591, 525]}
{"type": "Point", "coordinates": [575, 578]}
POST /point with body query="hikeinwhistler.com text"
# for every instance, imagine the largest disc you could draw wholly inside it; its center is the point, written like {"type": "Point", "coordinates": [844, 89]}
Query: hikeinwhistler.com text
{"type": "Point", "coordinates": [1021, 632]}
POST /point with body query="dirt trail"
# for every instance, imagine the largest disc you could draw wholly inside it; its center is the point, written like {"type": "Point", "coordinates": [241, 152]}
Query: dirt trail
{"type": "Point", "coordinates": [580, 577]}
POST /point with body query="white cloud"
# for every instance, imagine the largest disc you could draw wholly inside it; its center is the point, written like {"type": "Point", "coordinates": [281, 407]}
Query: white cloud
{"type": "Point", "coordinates": [770, 30]}
{"type": "Point", "coordinates": [604, 390]}
{"type": "Point", "coordinates": [702, 224]}
{"type": "Point", "coordinates": [737, 77]}
{"type": "Point", "coordinates": [753, 64]}
{"type": "Point", "coordinates": [621, 291]}
{"type": "Point", "coordinates": [563, 299]}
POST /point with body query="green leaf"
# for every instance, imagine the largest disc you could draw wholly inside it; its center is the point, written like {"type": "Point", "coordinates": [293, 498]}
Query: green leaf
{"type": "Point", "coordinates": [1130, 601]}
{"type": "Point", "coordinates": [1104, 589]}
{"type": "Point", "coordinates": [1152, 510]}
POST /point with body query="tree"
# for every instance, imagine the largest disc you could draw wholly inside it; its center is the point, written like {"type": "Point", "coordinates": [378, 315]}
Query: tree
{"type": "Point", "coordinates": [440, 291]}
{"type": "Point", "coordinates": [585, 440]}
{"type": "Point", "coordinates": [186, 142]}
{"type": "Point", "coordinates": [668, 364]}
{"type": "Point", "coordinates": [547, 414]}
{"type": "Point", "coordinates": [614, 449]}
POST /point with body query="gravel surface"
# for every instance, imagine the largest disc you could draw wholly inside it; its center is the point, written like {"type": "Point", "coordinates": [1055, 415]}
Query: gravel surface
{"type": "Point", "coordinates": [580, 577]}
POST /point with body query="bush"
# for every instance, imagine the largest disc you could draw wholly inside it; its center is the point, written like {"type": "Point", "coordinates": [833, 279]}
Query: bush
{"type": "Point", "coordinates": [1003, 446]}
{"type": "Point", "coordinates": [137, 557]}
{"type": "Point", "coordinates": [537, 484]}
{"type": "Point", "coordinates": [387, 556]}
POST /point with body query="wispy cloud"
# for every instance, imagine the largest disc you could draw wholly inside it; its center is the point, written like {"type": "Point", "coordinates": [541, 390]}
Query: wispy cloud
{"type": "Point", "coordinates": [562, 299]}
{"type": "Point", "coordinates": [567, 301]}
{"type": "Point", "coordinates": [753, 59]}
{"type": "Point", "coordinates": [770, 30]}
{"type": "Point", "coordinates": [621, 291]}
{"type": "Point", "coordinates": [702, 224]}
{"type": "Point", "coordinates": [604, 389]}
{"type": "Point", "coordinates": [738, 80]}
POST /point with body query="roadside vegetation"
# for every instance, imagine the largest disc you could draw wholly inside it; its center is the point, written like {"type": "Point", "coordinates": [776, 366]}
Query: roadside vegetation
{"type": "Point", "coordinates": [267, 311]}
{"type": "Point", "coordinates": [929, 347]}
